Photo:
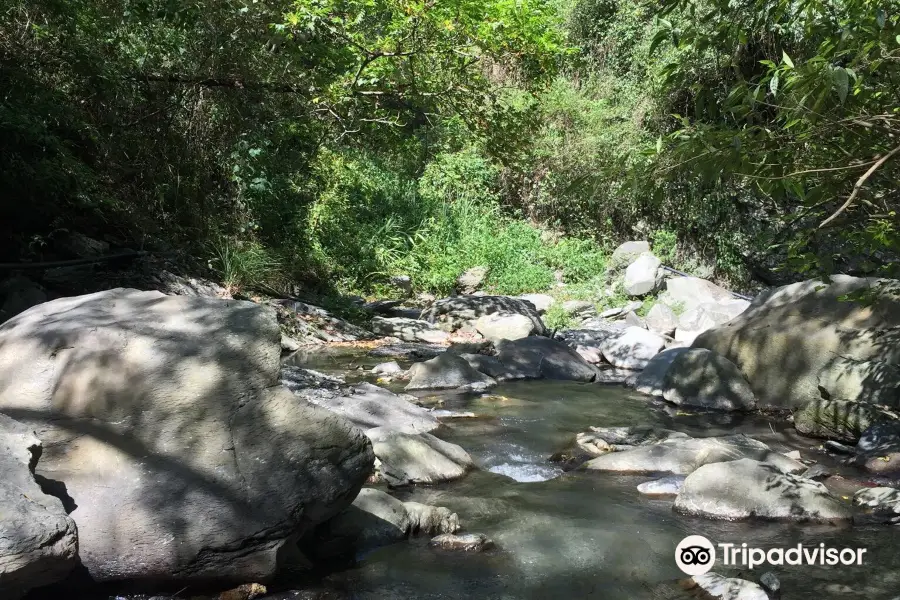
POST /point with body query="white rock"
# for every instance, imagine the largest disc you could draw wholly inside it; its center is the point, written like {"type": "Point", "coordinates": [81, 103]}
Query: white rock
{"type": "Point", "coordinates": [641, 276]}
{"type": "Point", "coordinates": [633, 348]}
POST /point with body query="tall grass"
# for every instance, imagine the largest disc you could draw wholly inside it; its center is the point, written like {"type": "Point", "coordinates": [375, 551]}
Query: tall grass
{"type": "Point", "coordinates": [245, 265]}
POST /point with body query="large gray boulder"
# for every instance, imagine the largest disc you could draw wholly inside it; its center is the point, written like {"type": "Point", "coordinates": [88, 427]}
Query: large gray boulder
{"type": "Point", "coordinates": [377, 519]}
{"type": "Point", "coordinates": [543, 357]}
{"type": "Point", "coordinates": [698, 377]}
{"type": "Point", "coordinates": [461, 311]}
{"type": "Point", "coordinates": [492, 367]}
{"type": "Point", "coordinates": [447, 371]}
{"type": "Point", "coordinates": [405, 458]}
{"type": "Point", "coordinates": [408, 330]}
{"type": "Point", "coordinates": [867, 381]}
{"type": "Point", "coordinates": [38, 541]}
{"type": "Point", "coordinates": [163, 418]}
{"type": "Point", "coordinates": [684, 455]}
{"type": "Point", "coordinates": [642, 275]}
{"type": "Point", "coordinates": [652, 379]}
{"type": "Point", "coordinates": [788, 337]}
{"type": "Point", "coordinates": [835, 420]}
{"type": "Point", "coordinates": [746, 488]}
{"type": "Point", "coordinates": [633, 348]}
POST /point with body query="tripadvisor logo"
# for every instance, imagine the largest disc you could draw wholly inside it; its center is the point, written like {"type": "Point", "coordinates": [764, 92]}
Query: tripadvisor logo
{"type": "Point", "coordinates": [696, 555]}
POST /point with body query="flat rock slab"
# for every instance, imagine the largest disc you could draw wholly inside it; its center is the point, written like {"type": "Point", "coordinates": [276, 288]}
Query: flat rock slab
{"type": "Point", "coordinates": [746, 488]}
{"type": "Point", "coordinates": [408, 330]}
{"type": "Point", "coordinates": [408, 351]}
{"type": "Point", "coordinates": [681, 456]}
{"type": "Point", "coordinates": [366, 405]}
{"type": "Point", "coordinates": [407, 458]}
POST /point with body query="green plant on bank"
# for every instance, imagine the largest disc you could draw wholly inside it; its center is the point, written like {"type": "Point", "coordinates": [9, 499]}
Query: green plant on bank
{"type": "Point", "coordinates": [665, 246]}
{"type": "Point", "coordinates": [245, 265]}
{"type": "Point", "coordinates": [557, 318]}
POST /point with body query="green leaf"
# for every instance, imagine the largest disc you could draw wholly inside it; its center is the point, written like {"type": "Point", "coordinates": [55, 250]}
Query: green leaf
{"type": "Point", "coordinates": [841, 82]}
{"type": "Point", "coordinates": [661, 36]}
{"type": "Point", "coordinates": [659, 145]}
{"type": "Point", "coordinates": [787, 59]}
{"type": "Point", "coordinates": [773, 84]}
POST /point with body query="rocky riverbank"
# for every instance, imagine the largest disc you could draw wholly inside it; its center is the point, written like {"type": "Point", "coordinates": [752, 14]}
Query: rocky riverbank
{"type": "Point", "coordinates": [163, 439]}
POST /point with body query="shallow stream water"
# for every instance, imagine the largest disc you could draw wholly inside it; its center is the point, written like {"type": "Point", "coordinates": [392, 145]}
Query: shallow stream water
{"type": "Point", "coordinates": [589, 535]}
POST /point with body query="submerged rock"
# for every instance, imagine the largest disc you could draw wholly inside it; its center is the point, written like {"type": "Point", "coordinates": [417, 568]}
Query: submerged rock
{"type": "Point", "coordinates": [664, 486]}
{"type": "Point", "coordinates": [746, 488]}
{"type": "Point", "coordinates": [468, 542]}
{"type": "Point", "coordinates": [378, 519]}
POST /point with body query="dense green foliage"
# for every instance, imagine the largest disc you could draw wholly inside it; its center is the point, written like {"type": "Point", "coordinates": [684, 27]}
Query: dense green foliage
{"type": "Point", "coordinates": [345, 141]}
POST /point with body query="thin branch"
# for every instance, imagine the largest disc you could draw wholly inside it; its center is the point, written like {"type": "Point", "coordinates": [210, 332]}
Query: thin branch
{"type": "Point", "coordinates": [858, 186]}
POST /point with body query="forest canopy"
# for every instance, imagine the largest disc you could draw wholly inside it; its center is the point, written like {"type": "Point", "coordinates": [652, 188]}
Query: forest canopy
{"type": "Point", "coordinates": [341, 142]}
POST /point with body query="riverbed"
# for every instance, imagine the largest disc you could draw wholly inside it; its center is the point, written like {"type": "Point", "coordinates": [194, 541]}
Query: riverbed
{"type": "Point", "coordinates": [581, 534]}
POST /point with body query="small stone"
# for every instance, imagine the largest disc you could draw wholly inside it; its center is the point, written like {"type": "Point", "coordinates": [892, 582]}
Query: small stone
{"type": "Point", "coordinates": [665, 486]}
{"type": "Point", "coordinates": [387, 368]}
{"type": "Point", "coordinates": [468, 542]}
{"type": "Point", "coordinates": [770, 583]}
{"type": "Point", "coordinates": [248, 591]}
{"type": "Point", "coordinates": [794, 454]}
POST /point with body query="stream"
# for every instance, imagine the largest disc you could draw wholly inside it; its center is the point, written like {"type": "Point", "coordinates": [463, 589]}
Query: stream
{"type": "Point", "coordinates": [583, 534]}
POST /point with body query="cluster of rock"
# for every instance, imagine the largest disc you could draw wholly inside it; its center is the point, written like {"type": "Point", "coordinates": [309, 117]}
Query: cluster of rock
{"type": "Point", "coordinates": [728, 477]}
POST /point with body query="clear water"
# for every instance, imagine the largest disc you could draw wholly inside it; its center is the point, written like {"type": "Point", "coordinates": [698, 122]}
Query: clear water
{"type": "Point", "coordinates": [590, 535]}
